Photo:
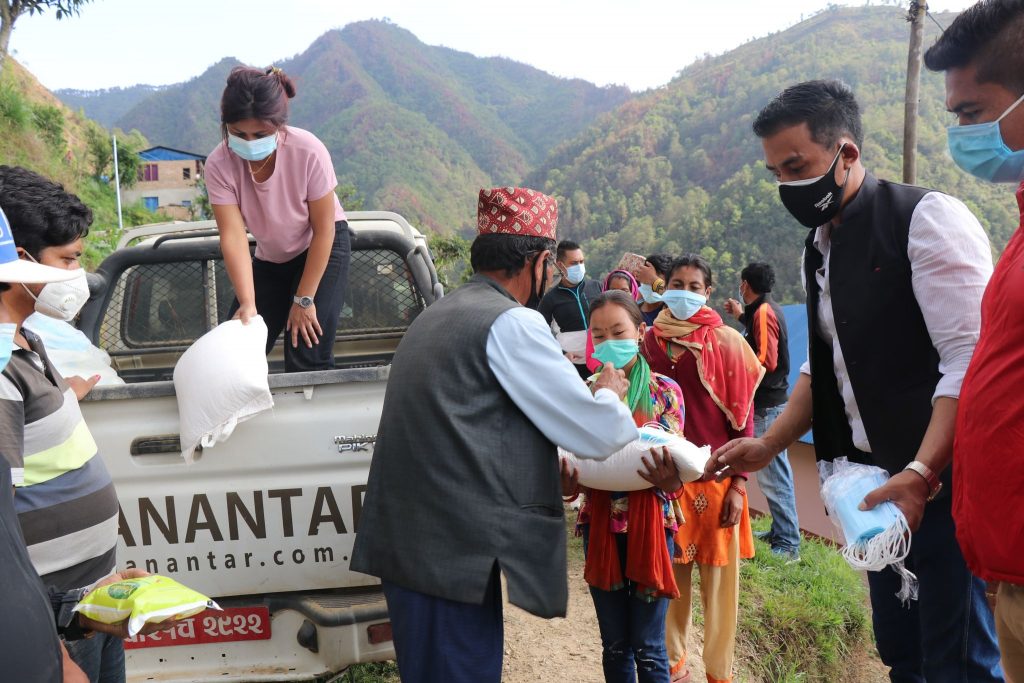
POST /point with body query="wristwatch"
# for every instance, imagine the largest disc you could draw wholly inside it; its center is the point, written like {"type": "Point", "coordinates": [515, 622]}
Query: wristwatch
{"type": "Point", "coordinates": [934, 485]}
{"type": "Point", "coordinates": [303, 301]}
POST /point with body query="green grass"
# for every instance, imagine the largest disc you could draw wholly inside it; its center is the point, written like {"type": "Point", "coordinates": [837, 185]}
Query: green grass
{"type": "Point", "coordinates": [799, 623]}
{"type": "Point", "coordinates": [383, 672]}
{"type": "Point", "coordinates": [803, 621]}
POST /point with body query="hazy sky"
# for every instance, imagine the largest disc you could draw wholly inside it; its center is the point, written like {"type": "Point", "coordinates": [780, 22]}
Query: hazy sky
{"type": "Point", "coordinates": [639, 43]}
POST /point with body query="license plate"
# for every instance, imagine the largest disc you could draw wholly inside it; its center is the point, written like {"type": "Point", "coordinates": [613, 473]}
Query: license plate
{"type": "Point", "coordinates": [225, 626]}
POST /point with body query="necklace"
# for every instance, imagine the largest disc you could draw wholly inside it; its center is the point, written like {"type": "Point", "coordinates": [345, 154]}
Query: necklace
{"type": "Point", "coordinates": [262, 166]}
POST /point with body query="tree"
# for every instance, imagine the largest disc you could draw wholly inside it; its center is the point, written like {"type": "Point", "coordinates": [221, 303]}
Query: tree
{"type": "Point", "coordinates": [99, 149]}
{"type": "Point", "coordinates": [11, 10]}
{"type": "Point", "coordinates": [128, 163]}
{"type": "Point", "coordinates": [350, 197]}
{"type": "Point", "coordinates": [451, 259]}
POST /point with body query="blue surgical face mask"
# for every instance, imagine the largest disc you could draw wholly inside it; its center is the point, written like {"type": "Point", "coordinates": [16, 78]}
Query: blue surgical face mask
{"type": "Point", "coordinates": [618, 352]}
{"type": "Point", "coordinates": [980, 150]}
{"type": "Point", "coordinates": [649, 295]}
{"type": "Point", "coordinates": [7, 332]}
{"type": "Point", "coordinates": [253, 150]}
{"type": "Point", "coordinates": [574, 274]}
{"type": "Point", "coordinates": [683, 303]}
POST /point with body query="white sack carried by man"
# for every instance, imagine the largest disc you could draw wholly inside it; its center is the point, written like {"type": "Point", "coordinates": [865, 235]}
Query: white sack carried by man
{"type": "Point", "coordinates": [221, 380]}
{"type": "Point", "coordinates": [620, 471]}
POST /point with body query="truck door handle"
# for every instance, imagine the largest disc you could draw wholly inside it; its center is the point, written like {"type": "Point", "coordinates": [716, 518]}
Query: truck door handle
{"type": "Point", "coordinates": [159, 444]}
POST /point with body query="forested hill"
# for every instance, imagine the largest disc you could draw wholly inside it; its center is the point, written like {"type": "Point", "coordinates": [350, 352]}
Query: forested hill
{"type": "Point", "coordinates": [108, 105]}
{"type": "Point", "coordinates": [678, 169]}
{"type": "Point", "coordinates": [415, 128]}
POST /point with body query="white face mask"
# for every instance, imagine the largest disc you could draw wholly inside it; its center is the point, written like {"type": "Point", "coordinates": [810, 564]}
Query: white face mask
{"type": "Point", "coordinates": [62, 300]}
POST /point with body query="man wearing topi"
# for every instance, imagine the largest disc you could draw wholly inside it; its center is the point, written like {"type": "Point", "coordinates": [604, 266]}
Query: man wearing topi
{"type": "Point", "coordinates": [465, 484]}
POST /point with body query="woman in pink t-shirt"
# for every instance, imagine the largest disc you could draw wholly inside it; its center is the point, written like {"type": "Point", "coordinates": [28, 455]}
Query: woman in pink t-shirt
{"type": "Point", "coordinates": [278, 183]}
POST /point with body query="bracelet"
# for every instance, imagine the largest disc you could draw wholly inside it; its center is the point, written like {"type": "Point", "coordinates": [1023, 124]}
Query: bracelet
{"type": "Point", "coordinates": [658, 285]}
{"type": "Point", "coordinates": [737, 489]}
{"type": "Point", "coordinates": [674, 495]}
{"type": "Point", "coordinates": [571, 499]}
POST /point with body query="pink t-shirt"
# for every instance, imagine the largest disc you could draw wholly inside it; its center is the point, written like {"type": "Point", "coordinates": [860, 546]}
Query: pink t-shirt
{"type": "Point", "coordinates": [276, 211]}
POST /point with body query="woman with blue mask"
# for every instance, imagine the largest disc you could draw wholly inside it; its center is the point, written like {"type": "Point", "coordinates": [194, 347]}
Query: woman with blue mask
{"type": "Point", "coordinates": [277, 183]}
{"type": "Point", "coordinates": [627, 535]}
{"type": "Point", "coordinates": [718, 373]}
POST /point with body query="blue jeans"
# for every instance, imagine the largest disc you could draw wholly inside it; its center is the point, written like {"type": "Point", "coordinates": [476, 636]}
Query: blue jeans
{"type": "Point", "coordinates": [776, 482]}
{"type": "Point", "coordinates": [444, 640]}
{"type": "Point", "coordinates": [948, 634]}
{"type": "Point", "coordinates": [101, 657]}
{"type": "Point", "coordinates": [632, 630]}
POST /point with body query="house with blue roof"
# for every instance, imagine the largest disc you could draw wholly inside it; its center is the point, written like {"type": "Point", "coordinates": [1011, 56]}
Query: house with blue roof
{"type": "Point", "coordinates": [167, 181]}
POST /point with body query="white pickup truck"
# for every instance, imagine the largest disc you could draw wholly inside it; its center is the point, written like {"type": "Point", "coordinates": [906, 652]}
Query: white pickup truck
{"type": "Point", "coordinates": [264, 522]}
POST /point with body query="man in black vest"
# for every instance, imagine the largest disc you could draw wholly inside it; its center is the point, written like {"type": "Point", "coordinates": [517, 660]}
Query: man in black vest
{"type": "Point", "coordinates": [894, 277]}
{"type": "Point", "coordinates": [765, 330]}
{"type": "Point", "coordinates": [465, 482]}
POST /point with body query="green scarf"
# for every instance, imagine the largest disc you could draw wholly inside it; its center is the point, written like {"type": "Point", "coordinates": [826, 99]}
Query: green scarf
{"type": "Point", "coordinates": [638, 398]}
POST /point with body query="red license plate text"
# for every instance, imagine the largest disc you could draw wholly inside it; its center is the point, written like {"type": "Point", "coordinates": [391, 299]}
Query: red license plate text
{"type": "Point", "coordinates": [213, 626]}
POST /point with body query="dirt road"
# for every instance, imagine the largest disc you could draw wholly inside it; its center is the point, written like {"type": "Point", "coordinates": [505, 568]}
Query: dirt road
{"type": "Point", "coordinates": [560, 650]}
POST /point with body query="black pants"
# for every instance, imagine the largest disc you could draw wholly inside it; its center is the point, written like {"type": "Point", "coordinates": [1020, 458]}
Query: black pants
{"type": "Point", "coordinates": [275, 286]}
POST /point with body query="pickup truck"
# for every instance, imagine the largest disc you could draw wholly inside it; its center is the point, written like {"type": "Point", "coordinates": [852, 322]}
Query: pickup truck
{"type": "Point", "coordinates": [264, 523]}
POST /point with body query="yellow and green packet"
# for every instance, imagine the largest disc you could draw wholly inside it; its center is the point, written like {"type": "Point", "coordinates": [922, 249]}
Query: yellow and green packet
{"type": "Point", "coordinates": [145, 600]}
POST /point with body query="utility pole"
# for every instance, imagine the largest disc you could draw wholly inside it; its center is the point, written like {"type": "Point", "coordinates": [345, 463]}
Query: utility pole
{"type": "Point", "coordinates": [915, 15]}
{"type": "Point", "coordinates": [117, 188]}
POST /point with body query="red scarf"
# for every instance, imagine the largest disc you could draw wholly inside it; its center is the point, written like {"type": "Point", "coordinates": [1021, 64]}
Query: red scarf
{"type": "Point", "coordinates": [648, 564]}
{"type": "Point", "coordinates": [727, 366]}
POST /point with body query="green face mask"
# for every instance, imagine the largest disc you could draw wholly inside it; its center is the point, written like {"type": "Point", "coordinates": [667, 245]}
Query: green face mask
{"type": "Point", "coordinates": [618, 352]}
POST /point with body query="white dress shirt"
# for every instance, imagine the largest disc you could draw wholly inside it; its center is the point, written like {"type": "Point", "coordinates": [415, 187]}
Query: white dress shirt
{"type": "Point", "coordinates": [951, 263]}
{"type": "Point", "coordinates": [530, 367]}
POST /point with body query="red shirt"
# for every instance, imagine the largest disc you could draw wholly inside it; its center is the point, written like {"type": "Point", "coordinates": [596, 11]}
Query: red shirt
{"type": "Point", "coordinates": [988, 452]}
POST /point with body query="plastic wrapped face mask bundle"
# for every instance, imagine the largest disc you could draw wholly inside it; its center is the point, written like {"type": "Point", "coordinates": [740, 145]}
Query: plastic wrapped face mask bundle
{"type": "Point", "coordinates": [150, 599]}
{"type": "Point", "coordinates": [618, 472]}
{"type": "Point", "coordinates": [876, 538]}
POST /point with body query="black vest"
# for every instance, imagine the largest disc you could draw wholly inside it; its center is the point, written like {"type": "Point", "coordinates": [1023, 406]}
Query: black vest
{"type": "Point", "coordinates": [891, 363]}
{"type": "Point", "coordinates": [460, 478]}
{"type": "Point", "coordinates": [774, 387]}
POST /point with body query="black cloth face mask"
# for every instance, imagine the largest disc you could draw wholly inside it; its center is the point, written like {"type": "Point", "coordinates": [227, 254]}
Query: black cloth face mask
{"type": "Point", "coordinates": [535, 296]}
{"type": "Point", "coordinates": [815, 201]}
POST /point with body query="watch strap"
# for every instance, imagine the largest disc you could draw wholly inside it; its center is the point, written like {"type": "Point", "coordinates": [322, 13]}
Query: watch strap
{"type": "Point", "coordinates": [932, 479]}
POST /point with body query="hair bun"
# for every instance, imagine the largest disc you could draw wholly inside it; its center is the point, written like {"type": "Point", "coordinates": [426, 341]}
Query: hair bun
{"type": "Point", "coordinates": [287, 84]}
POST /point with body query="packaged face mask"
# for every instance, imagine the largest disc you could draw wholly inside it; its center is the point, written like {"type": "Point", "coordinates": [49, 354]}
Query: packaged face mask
{"type": "Point", "coordinates": [146, 600]}
{"type": "Point", "coordinates": [875, 538]}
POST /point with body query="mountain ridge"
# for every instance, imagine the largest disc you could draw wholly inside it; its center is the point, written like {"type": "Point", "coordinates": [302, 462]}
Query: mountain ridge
{"type": "Point", "coordinates": [456, 118]}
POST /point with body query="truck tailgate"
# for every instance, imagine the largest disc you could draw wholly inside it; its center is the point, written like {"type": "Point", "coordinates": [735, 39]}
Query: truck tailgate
{"type": "Point", "coordinates": [273, 509]}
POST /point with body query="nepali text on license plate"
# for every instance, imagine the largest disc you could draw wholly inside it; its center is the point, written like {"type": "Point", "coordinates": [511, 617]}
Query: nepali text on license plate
{"type": "Point", "coordinates": [228, 625]}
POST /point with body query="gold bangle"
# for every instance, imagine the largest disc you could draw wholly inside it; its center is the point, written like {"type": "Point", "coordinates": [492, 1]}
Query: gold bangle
{"type": "Point", "coordinates": [658, 286]}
